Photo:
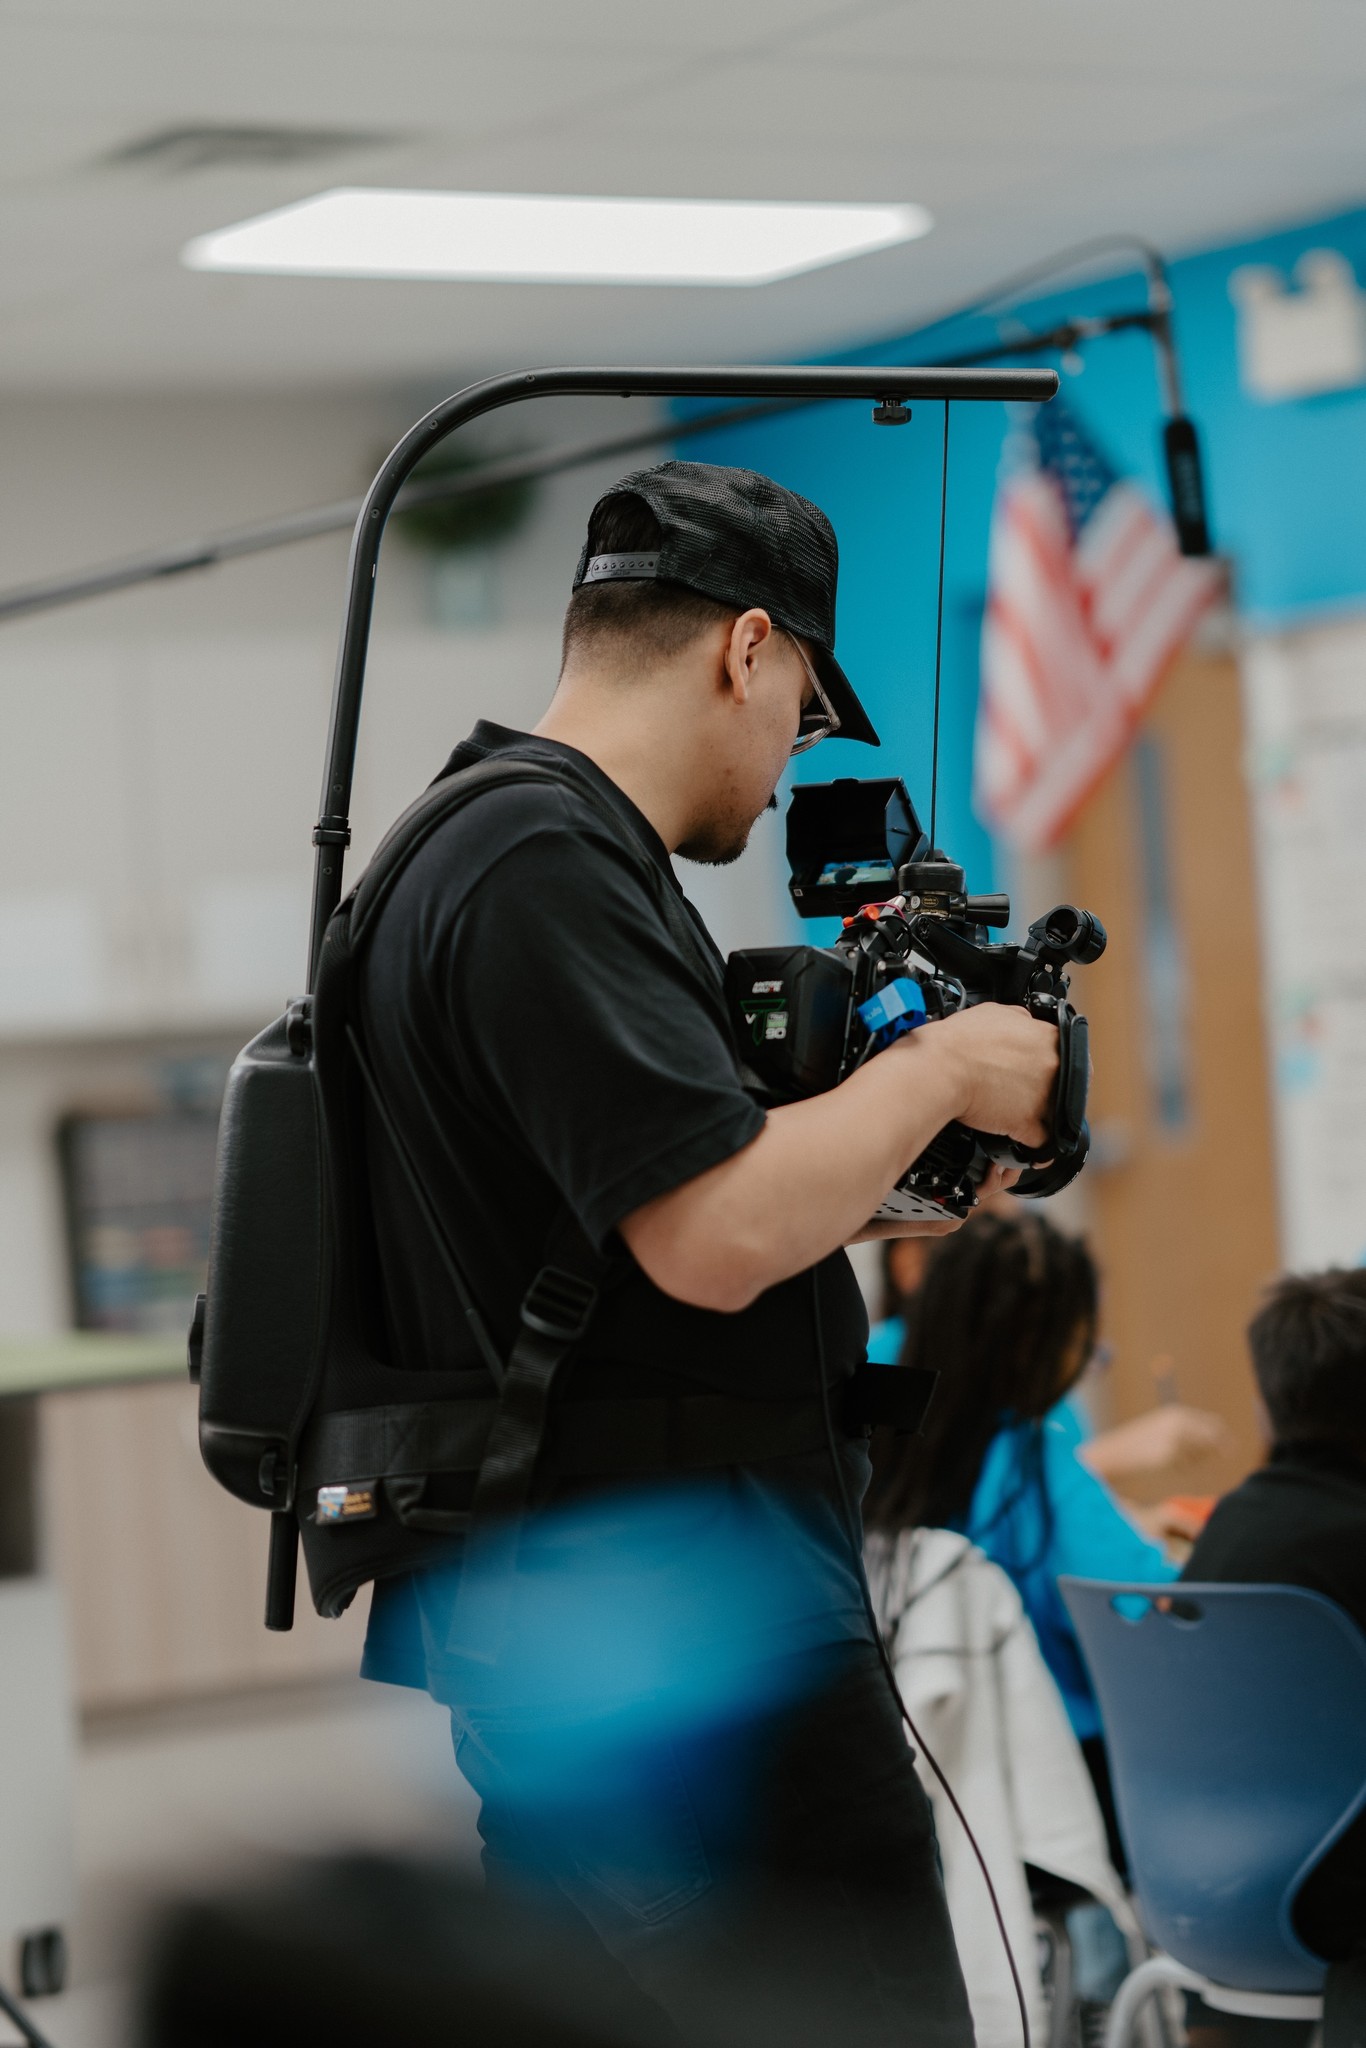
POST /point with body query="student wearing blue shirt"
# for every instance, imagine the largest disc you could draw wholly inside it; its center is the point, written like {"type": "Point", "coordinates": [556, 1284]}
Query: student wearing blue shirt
{"type": "Point", "coordinates": [1007, 1311]}
{"type": "Point", "coordinates": [903, 1268]}
{"type": "Point", "coordinates": [1042, 1514]}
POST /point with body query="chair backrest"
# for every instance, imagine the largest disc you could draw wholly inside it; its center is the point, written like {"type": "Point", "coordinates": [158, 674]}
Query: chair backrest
{"type": "Point", "coordinates": [1235, 1720]}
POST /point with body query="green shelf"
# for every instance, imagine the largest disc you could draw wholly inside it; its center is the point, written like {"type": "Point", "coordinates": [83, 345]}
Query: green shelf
{"type": "Point", "coordinates": [85, 1358]}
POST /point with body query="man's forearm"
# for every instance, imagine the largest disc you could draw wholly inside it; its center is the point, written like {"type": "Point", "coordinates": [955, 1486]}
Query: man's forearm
{"type": "Point", "coordinates": [806, 1185]}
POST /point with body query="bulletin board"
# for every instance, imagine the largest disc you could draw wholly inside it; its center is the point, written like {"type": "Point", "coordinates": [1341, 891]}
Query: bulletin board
{"type": "Point", "coordinates": [1305, 716]}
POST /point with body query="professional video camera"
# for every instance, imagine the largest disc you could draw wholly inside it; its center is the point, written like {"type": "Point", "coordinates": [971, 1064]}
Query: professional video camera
{"type": "Point", "coordinates": [914, 947]}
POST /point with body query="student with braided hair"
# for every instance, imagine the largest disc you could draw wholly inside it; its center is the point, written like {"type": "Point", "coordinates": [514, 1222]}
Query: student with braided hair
{"type": "Point", "coordinates": [1007, 1312]}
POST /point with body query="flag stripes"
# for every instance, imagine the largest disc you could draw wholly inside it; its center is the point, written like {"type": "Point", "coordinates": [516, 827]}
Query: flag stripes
{"type": "Point", "coordinates": [1089, 601]}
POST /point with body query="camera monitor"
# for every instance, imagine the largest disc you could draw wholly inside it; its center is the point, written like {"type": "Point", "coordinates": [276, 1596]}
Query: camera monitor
{"type": "Point", "coordinates": [846, 841]}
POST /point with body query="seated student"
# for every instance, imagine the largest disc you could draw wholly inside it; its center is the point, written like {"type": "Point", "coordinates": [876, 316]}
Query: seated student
{"type": "Point", "coordinates": [1007, 1309]}
{"type": "Point", "coordinates": [969, 1668]}
{"type": "Point", "coordinates": [1158, 1447]}
{"type": "Point", "coordinates": [902, 1270]}
{"type": "Point", "coordinates": [1301, 1519]}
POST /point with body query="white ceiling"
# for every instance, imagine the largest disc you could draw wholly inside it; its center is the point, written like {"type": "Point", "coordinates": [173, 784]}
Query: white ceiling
{"type": "Point", "coordinates": [1021, 124]}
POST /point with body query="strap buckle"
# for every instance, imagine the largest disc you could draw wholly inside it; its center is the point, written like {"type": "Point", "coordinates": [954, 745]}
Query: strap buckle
{"type": "Point", "coordinates": [559, 1305]}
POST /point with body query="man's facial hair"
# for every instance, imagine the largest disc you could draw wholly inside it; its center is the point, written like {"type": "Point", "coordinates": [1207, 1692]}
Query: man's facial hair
{"type": "Point", "coordinates": [706, 854]}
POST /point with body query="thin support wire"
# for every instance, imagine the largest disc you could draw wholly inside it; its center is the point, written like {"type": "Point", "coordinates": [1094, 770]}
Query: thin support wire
{"type": "Point", "coordinates": [939, 631]}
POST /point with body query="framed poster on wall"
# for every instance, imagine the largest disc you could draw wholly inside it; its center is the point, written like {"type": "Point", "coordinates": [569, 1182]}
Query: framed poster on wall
{"type": "Point", "coordinates": [137, 1191]}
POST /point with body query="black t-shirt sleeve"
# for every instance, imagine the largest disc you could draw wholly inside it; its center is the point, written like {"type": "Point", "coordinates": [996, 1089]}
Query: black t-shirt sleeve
{"type": "Point", "coordinates": [590, 1034]}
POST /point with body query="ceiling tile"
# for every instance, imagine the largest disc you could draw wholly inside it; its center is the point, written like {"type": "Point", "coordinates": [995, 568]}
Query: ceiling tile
{"type": "Point", "coordinates": [1215, 40]}
{"type": "Point", "coordinates": [693, 31]}
{"type": "Point", "coordinates": [209, 70]}
{"type": "Point", "coordinates": [967, 106]}
{"type": "Point", "coordinates": [1021, 126]}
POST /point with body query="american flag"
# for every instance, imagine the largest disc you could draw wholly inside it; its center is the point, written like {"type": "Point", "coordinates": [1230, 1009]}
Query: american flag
{"type": "Point", "coordinates": [1089, 601]}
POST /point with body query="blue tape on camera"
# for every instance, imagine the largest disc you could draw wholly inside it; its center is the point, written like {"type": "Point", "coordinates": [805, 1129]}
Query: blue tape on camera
{"type": "Point", "coordinates": [894, 1010]}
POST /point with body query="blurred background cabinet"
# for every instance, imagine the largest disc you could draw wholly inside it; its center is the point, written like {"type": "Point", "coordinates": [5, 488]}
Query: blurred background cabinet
{"type": "Point", "coordinates": [164, 1573]}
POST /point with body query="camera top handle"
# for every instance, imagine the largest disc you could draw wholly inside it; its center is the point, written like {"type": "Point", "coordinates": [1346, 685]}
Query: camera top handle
{"type": "Point", "coordinates": [886, 386]}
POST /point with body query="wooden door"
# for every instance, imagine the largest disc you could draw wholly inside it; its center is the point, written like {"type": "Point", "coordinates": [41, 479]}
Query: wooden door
{"type": "Point", "coordinates": [1181, 1194]}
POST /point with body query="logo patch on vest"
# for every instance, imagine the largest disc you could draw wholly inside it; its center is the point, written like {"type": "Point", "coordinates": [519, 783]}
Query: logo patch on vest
{"type": "Point", "coordinates": [346, 1504]}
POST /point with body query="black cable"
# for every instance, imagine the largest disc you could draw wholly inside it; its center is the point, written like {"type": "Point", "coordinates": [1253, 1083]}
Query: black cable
{"type": "Point", "coordinates": [1057, 265]}
{"type": "Point", "coordinates": [855, 1541]}
{"type": "Point", "coordinates": [939, 630]}
{"type": "Point", "coordinates": [19, 2018]}
{"type": "Point", "coordinates": [262, 536]}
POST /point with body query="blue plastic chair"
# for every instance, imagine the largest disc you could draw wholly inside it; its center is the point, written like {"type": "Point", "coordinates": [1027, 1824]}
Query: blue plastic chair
{"type": "Point", "coordinates": [1235, 1720]}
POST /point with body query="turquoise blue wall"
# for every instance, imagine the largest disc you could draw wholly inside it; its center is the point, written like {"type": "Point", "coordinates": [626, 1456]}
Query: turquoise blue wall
{"type": "Point", "coordinates": [1286, 485]}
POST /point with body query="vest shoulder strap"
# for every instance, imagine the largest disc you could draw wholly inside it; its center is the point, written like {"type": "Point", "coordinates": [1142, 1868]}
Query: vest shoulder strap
{"type": "Point", "coordinates": [560, 1302]}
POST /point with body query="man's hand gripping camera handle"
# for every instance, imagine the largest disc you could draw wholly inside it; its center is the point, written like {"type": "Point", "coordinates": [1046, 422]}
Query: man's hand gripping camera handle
{"type": "Point", "coordinates": [1028, 1070]}
{"type": "Point", "coordinates": [1004, 1065]}
{"type": "Point", "coordinates": [1060, 1158]}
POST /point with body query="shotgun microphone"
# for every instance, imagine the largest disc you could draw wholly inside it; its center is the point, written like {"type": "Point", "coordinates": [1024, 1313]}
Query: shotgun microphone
{"type": "Point", "coordinates": [1180, 442]}
{"type": "Point", "coordinates": [1186, 485]}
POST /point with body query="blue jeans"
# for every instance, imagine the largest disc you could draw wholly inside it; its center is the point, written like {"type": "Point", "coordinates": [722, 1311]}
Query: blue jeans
{"type": "Point", "coordinates": [777, 1879]}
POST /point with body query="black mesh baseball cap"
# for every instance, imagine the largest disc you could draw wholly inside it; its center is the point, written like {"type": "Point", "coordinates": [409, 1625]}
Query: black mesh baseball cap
{"type": "Point", "coordinates": [738, 537]}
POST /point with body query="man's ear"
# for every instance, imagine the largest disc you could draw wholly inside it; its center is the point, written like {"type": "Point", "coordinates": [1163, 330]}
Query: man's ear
{"type": "Point", "coordinates": [751, 632]}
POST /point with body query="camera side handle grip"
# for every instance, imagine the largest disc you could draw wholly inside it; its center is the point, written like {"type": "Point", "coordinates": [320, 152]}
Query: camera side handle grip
{"type": "Point", "coordinates": [1037, 1181]}
{"type": "Point", "coordinates": [1074, 1079]}
{"type": "Point", "coordinates": [1071, 1139]}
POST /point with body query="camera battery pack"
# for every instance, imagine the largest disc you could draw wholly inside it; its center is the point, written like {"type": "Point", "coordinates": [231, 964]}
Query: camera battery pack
{"type": "Point", "coordinates": [790, 1009]}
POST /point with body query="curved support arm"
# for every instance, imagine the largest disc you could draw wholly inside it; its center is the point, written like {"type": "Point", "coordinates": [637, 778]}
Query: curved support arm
{"type": "Point", "coordinates": [766, 381]}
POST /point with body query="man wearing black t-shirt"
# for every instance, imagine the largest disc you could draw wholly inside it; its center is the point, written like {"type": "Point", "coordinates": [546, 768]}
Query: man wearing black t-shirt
{"type": "Point", "coordinates": [1301, 1521]}
{"type": "Point", "coordinates": [552, 1043]}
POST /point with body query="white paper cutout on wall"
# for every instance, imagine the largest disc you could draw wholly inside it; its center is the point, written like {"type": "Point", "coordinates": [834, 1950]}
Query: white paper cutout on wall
{"type": "Point", "coordinates": [1293, 343]}
{"type": "Point", "coordinates": [1304, 696]}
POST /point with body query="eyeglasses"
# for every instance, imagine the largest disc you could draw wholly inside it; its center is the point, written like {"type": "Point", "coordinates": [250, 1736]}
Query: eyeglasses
{"type": "Point", "coordinates": [819, 716]}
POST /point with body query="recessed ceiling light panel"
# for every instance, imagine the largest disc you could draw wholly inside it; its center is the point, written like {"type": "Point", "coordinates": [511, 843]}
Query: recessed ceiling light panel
{"type": "Point", "coordinates": [518, 237]}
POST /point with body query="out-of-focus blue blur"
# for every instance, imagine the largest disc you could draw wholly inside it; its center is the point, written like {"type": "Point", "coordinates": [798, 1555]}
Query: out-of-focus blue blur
{"type": "Point", "coordinates": [634, 1620]}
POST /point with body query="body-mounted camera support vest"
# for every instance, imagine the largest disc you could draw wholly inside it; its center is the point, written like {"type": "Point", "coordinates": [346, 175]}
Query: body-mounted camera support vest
{"type": "Point", "coordinates": [299, 1410]}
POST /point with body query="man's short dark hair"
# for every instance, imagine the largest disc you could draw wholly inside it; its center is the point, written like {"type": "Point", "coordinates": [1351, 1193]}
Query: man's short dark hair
{"type": "Point", "coordinates": [1308, 1345]}
{"type": "Point", "coordinates": [654, 620]}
